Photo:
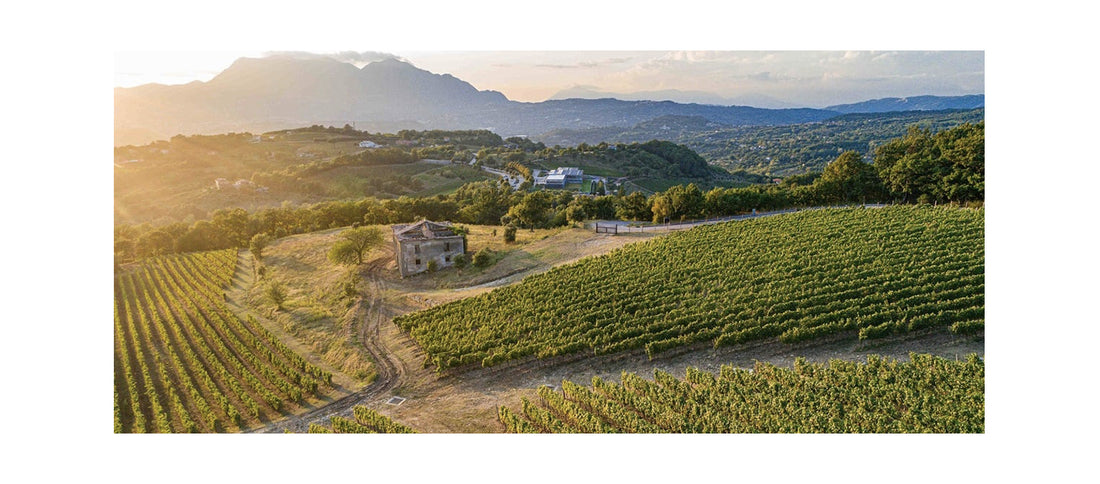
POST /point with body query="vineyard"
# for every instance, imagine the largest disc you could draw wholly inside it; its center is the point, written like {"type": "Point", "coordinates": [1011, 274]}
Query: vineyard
{"type": "Point", "coordinates": [366, 421]}
{"type": "Point", "coordinates": [184, 362]}
{"type": "Point", "coordinates": [927, 394]}
{"type": "Point", "coordinates": [871, 272]}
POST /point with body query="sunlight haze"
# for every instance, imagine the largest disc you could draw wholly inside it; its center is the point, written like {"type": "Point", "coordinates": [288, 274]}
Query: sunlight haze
{"type": "Point", "coordinates": [763, 78]}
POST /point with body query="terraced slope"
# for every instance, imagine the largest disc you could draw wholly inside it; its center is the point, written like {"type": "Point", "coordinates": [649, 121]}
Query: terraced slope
{"type": "Point", "coordinates": [796, 277]}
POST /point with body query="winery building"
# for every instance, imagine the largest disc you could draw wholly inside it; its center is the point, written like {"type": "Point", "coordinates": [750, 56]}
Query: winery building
{"type": "Point", "coordinates": [424, 241]}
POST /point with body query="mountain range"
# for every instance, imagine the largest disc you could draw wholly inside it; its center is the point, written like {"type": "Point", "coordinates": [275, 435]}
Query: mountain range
{"type": "Point", "coordinates": [279, 92]}
{"type": "Point", "coordinates": [674, 95]}
{"type": "Point", "coordinates": [915, 103]}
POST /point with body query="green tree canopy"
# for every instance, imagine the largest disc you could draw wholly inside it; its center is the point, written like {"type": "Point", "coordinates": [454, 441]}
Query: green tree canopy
{"type": "Point", "coordinates": [354, 243]}
{"type": "Point", "coordinates": [848, 179]}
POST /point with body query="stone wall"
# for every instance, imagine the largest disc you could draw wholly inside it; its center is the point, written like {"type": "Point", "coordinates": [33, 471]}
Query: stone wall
{"type": "Point", "coordinates": [441, 250]}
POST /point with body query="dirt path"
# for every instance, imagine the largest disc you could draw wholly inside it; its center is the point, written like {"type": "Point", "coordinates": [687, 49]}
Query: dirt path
{"type": "Point", "coordinates": [467, 402]}
{"type": "Point", "coordinates": [389, 369]}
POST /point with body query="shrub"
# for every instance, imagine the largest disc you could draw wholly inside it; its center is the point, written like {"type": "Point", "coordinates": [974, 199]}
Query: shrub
{"type": "Point", "coordinates": [482, 258]}
{"type": "Point", "coordinates": [510, 234]}
{"type": "Point", "coordinates": [276, 294]}
{"type": "Point", "coordinates": [459, 260]}
{"type": "Point", "coordinates": [433, 266]}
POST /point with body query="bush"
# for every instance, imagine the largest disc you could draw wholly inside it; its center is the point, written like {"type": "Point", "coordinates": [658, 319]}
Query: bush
{"type": "Point", "coordinates": [460, 260]}
{"type": "Point", "coordinates": [433, 266]}
{"type": "Point", "coordinates": [510, 234]}
{"type": "Point", "coordinates": [482, 258]}
{"type": "Point", "coordinates": [276, 294]}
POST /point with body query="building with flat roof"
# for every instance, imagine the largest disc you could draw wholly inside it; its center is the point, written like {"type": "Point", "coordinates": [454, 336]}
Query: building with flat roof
{"type": "Point", "coordinates": [559, 177]}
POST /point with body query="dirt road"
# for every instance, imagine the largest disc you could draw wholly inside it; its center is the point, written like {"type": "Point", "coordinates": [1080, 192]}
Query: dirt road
{"type": "Point", "coordinates": [467, 402]}
{"type": "Point", "coordinates": [389, 369]}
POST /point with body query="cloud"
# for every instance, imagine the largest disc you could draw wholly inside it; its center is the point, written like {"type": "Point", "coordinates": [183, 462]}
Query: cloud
{"type": "Point", "coordinates": [359, 59]}
{"type": "Point", "coordinates": [558, 66]}
{"type": "Point", "coordinates": [587, 64]}
{"type": "Point", "coordinates": [761, 76]}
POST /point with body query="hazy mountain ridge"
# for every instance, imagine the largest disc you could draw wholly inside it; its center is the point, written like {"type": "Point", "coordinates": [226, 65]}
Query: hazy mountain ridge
{"type": "Point", "coordinates": [676, 95]}
{"type": "Point", "coordinates": [280, 92]}
{"type": "Point", "coordinates": [913, 103]}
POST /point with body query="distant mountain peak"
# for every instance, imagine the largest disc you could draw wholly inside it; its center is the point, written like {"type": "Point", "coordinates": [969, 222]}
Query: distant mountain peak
{"type": "Point", "coordinates": [911, 103]}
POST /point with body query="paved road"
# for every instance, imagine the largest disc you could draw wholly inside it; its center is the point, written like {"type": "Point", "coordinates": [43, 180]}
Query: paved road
{"type": "Point", "coordinates": [514, 180]}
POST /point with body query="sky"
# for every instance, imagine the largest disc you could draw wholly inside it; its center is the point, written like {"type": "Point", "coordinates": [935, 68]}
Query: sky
{"type": "Point", "coordinates": [765, 78]}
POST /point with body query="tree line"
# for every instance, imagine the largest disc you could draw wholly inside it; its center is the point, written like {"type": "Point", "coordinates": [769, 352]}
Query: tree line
{"type": "Point", "coordinates": [921, 167]}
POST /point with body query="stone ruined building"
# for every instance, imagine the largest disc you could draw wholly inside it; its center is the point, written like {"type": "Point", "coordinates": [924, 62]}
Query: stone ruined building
{"type": "Point", "coordinates": [424, 241]}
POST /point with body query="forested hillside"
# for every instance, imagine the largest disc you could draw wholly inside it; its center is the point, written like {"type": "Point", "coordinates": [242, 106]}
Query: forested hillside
{"type": "Point", "coordinates": [922, 167]}
{"type": "Point", "coordinates": [774, 150]}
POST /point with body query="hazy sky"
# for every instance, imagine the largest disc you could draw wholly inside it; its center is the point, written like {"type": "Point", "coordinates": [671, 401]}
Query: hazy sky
{"type": "Point", "coordinates": [804, 78]}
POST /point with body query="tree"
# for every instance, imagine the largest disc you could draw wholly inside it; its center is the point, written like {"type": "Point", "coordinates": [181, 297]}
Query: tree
{"type": "Point", "coordinates": [688, 202]}
{"type": "Point", "coordinates": [633, 207]}
{"type": "Point", "coordinates": [343, 252]}
{"type": "Point", "coordinates": [661, 207]}
{"type": "Point", "coordinates": [354, 243]}
{"type": "Point", "coordinates": [257, 245]}
{"type": "Point", "coordinates": [531, 212]}
{"type": "Point", "coordinates": [575, 213]}
{"type": "Point", "coordinates": [276, 294]}
{"type": "Point", "coordinates": [849, 179]}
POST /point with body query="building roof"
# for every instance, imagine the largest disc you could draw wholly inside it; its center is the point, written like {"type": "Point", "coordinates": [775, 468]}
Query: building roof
{"type": "Point", "coordinates": [567, 171]}
{"type": "Point", "coordinates": [555, 179]}
{"type": "Point", "coordinates": [423, 230]}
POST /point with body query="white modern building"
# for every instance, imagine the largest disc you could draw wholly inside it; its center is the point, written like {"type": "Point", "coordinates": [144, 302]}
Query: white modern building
{"type": "Point", "coordinates": [559, 177]}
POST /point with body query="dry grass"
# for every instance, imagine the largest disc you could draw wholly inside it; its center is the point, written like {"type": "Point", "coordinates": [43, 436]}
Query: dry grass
{"type": "Point", "coordinates": [325, 320]}
{"type": "Point", "coordinates": [324, 323]}
{"type": "Point", "coordinates": [317, 312]}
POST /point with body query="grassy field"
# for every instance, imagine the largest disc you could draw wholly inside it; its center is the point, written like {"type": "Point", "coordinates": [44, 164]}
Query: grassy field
{"type": "Point", "coordinates": [319, 310]}
{"type": "Point", "coordinates": [446, 179]}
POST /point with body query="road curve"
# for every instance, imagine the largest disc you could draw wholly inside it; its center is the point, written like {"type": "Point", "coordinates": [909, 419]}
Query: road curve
{"type": "Point", "coordinates": [390, 371]}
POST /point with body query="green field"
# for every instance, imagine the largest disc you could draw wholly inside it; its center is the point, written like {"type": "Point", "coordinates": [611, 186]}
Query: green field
{"type": "Point", "coordinates": [799, 276]}
{"type": "Point", "coordinates": [926, 395]}
{"type": "Point", "coordinates": [184, 362]}
{"type": "Point", "coordinates": [365, 421]}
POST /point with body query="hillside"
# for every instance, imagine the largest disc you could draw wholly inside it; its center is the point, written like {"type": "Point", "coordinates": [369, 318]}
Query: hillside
{"type": "Point", "coordinates": [913, 103]}
{"type": "Point", "coordinates": [186, 362]}
{"type": "Point", "coordinates": [273, 93]}
{"type": "Point", "coordinates": [871, 272]}
{"type": "Point", "coordinates": [774, 150]}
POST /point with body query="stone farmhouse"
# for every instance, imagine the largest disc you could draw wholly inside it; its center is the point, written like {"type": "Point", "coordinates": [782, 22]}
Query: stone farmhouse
{"type": "Point", "coordinates": [424, 241]}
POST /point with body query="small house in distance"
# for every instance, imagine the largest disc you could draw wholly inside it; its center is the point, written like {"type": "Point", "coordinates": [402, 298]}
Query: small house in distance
{"type": "Point", "coordinates": [424, 241]}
